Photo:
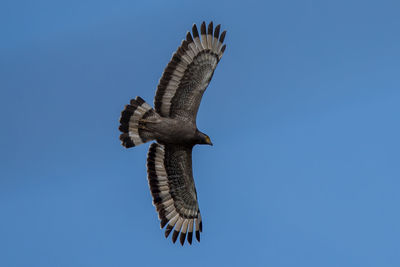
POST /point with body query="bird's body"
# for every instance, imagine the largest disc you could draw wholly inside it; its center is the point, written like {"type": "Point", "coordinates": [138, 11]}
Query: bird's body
{"type": "Point", "coordinates": [172, 123]}
{"type": "Point", "coordinates": [172, 131]}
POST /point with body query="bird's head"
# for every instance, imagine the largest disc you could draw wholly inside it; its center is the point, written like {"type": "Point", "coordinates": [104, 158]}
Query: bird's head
{"type": "Point", "coordinates": [203, 139]}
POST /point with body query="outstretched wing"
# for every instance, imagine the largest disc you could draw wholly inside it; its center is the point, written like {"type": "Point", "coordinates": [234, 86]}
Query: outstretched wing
{"type": "Point", "coordinates": [189, 72]}
{"type": "Point", "coordinates": [172, 186]}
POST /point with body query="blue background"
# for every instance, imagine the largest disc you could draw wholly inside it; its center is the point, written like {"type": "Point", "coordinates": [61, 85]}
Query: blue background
{"type": "Point", "coordinates": [303, 111]}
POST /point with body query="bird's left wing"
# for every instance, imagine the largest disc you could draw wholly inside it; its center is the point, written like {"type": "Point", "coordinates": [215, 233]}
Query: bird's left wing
{"type": "Point", "coordinates": [189, 72]}
{"type": "Point", "coordinates": [174, 194]}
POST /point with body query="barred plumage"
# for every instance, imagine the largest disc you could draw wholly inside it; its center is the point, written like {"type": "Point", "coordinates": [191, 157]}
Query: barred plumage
{"type": "Point", "coordinates": [172, 123]}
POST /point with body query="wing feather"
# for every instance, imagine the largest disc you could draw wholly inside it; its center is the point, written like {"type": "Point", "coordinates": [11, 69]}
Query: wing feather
{"type": "Point", "coordinates": [172, 186]}
{"type": "Point", "coordinates": [210, 35]}
{"type": "Point", "coordinates": [189, 72]}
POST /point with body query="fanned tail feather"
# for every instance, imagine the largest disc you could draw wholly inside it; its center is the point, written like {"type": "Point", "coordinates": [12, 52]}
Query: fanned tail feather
{"type": "Point", "coordinates": [132, 123]}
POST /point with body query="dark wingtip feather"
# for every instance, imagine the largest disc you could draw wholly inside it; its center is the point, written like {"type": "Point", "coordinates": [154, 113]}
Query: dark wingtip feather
{"type": "Point", "coordinates": [216, 32]}
{"type": "Point", "coordinates": [223, 48]}
{"type": "Point", "coordinates": [163, 222]}
{"type": "Point", "coordinates": [184, 45]}
{"type": "Point", "coordinates": [154, 184]}
{"type": "Point", "coordinates": [189, 37]}
{"type": "Point", "coordinates": [201, 226]}
{"type": "Point", "coordinates": [203, 28]}
{"type": "Point", "coordinates": [182, 238]}
{"type": "Point", "coordinates": [195, 31]}
{"type": "Point", "coordinates": [168, 230]}
{"type": "Point", "coordinates": [198, 236]}
{"type": "Point", "coordinates": [190, 236]}
{"type": "Point", "coordinates": [222, 37]}
{"type": "Point", "coordinates": [210, 28]}
{"type": "Point", "coordinates": [175, 236]}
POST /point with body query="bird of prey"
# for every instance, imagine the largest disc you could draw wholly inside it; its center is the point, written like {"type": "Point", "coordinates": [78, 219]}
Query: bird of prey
{"type": "Point", "coordinates": [172, 124]}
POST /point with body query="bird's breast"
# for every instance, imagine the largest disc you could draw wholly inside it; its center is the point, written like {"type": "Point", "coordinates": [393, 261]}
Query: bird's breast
{"type": "Point", "coordinates": [175, 131]}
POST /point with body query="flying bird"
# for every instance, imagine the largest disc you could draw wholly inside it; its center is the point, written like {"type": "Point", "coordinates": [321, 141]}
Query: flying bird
{"type": "Point", "coordinates": [172, 124]}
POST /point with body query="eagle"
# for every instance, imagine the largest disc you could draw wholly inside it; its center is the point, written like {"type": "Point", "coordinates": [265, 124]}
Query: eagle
{"type": "Point", "coordinates": [172, 124]}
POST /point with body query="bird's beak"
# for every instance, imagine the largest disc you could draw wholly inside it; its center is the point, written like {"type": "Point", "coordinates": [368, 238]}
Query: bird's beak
{"type": "Point", "coordinates": [208, 141]}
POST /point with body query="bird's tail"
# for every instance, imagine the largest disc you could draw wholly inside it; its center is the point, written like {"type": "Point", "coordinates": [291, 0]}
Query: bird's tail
{"type": "Point", "coordinates": [133, 121]}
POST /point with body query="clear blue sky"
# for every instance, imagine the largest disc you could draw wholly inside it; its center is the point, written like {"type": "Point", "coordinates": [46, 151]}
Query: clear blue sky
{"type": "Point", "coordinates": [303, 111]}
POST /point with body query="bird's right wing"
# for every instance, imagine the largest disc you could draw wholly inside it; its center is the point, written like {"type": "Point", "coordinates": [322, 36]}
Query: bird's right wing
{"type": "Point", "coordinates": [189, 72]}
{"type": "Point", "coordinates": [174, 194]}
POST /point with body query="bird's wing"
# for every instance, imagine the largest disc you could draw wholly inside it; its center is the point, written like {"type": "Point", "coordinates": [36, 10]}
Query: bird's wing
{"type": "Point", "coordinates": [189, 72]}
{"type": "Point", "coordinates": [170, 176]}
